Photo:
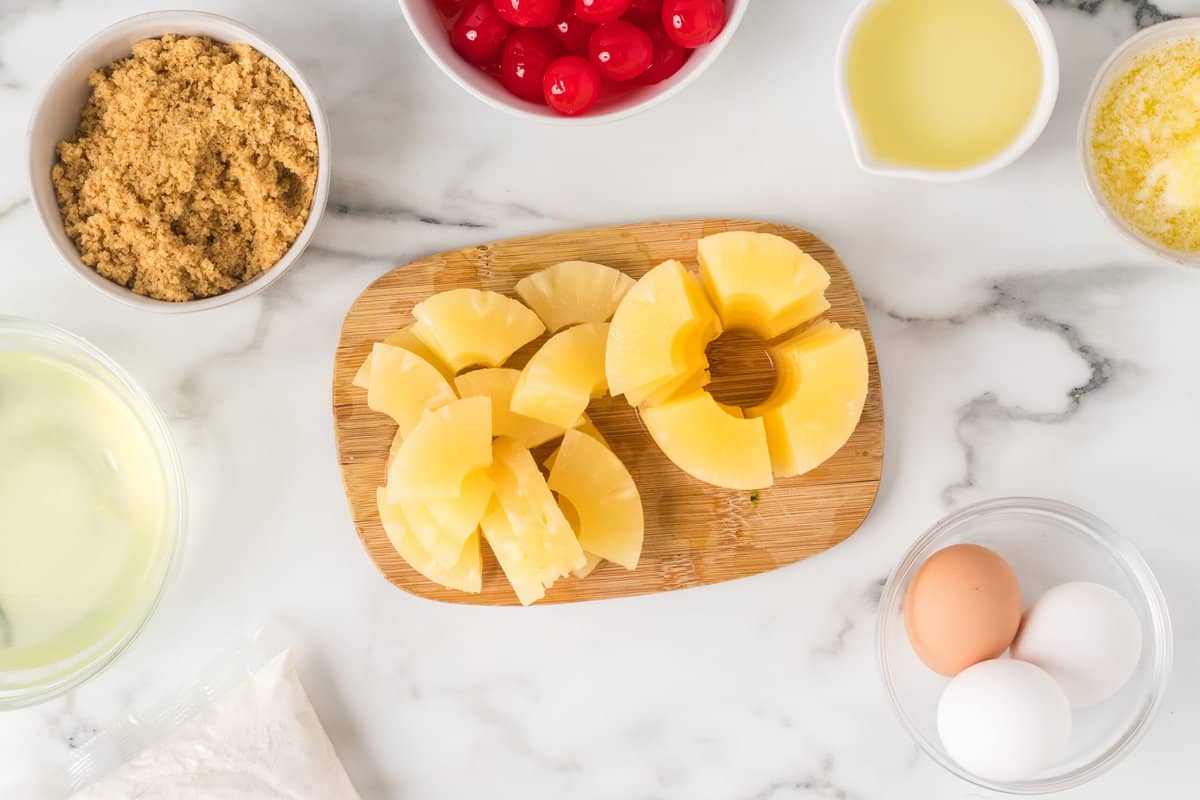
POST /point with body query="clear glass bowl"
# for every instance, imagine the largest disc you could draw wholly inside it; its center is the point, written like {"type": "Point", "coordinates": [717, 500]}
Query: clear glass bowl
{"type": "Point", "coordinates": [1047, 543]}
{"type": "Point", "coordinates": [26, 687]}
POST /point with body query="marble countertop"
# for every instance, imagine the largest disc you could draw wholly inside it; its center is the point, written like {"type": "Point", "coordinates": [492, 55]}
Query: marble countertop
{"type": "Point", "coordinates": [1025, 347]}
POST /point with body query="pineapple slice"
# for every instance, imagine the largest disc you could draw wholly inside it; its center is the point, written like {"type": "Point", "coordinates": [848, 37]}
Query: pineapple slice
{"type": "Point", "coordinates": [589, 566]}
{"type": "Point", "coordinates": [658, 333]}
{"type": "Point", "coordinates": [466, 327]}
{"type": "Point", "coordinates": [498, 384]}
{"type": "Point", "coordinates": [404, 385]}
{"type": "Point", "coordinates": [601, 491]}
{"type": "Point", "coordinates": [531, 538]}
{"type": "Point", "coordinates": [574, 292]}
{"type": "Point", "coordinates": [563, 376]}
{"type": "Point", "coordinates": [818, 399]}
{"type": "Point", "coordinates": [443, 526]}
{"type": "Point", "coordinates": [465, 574]}
{"type": "Point", "coordinates": [711, 444]}
{"type": "Point", "coordinates": [408, 340]}
{"type": "Point", "coordinates": [761, 281]}
{"type": "Point", "coordinates": [447, 445]}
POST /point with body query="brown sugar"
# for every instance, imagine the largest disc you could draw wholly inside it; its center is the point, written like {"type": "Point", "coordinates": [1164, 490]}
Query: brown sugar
{"type": "Point", "coordinates": [193, 169]}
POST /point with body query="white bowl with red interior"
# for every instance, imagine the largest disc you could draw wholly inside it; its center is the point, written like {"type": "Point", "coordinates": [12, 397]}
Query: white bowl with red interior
{"type": "Point", "coordinates": [523, 60]}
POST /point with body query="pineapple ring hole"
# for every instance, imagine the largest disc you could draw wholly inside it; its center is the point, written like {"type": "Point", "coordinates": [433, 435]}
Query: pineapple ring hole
{"type": "Point", "coordinates": [742, 371]}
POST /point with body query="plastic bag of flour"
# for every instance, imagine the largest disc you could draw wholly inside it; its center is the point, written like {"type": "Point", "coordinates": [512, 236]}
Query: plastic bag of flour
{"type": "Point", "coordinates": [243, 729]}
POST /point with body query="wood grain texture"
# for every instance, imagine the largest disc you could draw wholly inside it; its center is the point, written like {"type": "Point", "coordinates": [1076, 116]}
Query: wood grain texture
{"type": "Point", "coordinates": [696, 534]}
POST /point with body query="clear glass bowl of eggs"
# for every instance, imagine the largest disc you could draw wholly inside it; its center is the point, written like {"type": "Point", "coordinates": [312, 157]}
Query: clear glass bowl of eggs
{"type": "Point", "coordinates": [1025, 645]}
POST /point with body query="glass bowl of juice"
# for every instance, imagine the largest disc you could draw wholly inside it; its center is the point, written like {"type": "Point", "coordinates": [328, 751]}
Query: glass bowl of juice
{"type": "Point", "coordinates": [92, 510]}
{"type": "Point", "coordinates": [1046, 543]}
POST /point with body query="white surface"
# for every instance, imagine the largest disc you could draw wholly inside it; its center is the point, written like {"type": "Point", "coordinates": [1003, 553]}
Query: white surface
{"type": "Point", "coordinates": [1086, 636]}
{"type": "Point", "coordinates": [1004, 720]}
{"type": "Point", "coordinates": [1026, 348]}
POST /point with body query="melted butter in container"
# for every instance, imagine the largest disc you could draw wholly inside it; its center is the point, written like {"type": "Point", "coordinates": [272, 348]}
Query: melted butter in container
{"type": "Point", "coordinates": [90, 510]}
{"type": "Point", "coordinates": [1140, 139]}
{"type": "Point", "coordinates": [945, 89]}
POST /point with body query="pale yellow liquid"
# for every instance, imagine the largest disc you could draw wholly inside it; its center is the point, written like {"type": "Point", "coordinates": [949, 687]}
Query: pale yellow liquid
{"type": "Point", "coordinates": [81, 511]}
{"type": "Point", "coordinates": [942, 84]}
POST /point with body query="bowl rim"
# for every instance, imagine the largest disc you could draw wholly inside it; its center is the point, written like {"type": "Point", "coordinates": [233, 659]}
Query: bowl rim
{"type": "Point", "coordinates": [175, 521]}
{"type": "Point", "coordinates": [1160, 33]}
{"type": "Point", "coordinates": [1043, 37]}
{"type": "Point", "coordinates": [667, 89]}
{"type": "Point", "coordinates": [1130, 560]}
{"type": "Point", "coordinates": [54, 223]}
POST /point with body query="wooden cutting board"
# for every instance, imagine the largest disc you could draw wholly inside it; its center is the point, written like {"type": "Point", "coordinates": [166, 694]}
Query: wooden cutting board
{"type": "Point", "coordinates": [696, 534]}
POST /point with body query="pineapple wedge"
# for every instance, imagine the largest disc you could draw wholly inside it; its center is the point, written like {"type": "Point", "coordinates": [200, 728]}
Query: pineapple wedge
{"type": "Point", "coordinates": [574, 292]}
{"type": "Point", "coordinates": [658, 333]}
{"type": "Point", "coordinates": [465, 574]}
{"type": "Point", "coordinates": [498, 384]}
{"type": "Point", "coordinates": [563, 376]}
{"type": "Point", "coordinates": [443, 526]}
{"type": "Point", "coordinates": [447, 445]}
{"type": "Point", "coordinates": [531, 538]}
{"type": "Point", "coordinates": [408, 340]}
{"type": "Point", "coordinates": [404, 385]}
{"type": "Point", "coordinates": [711, 444]}
{"type": "Point", "coordinates": [467, 327]}
{"type": "Point", "coordinates": [604, 497]}
{"type": "Point", "coordinates": [761, 281]}
{"type": "Point", "coordinates": [818, 399]}
{"type": "Point", "coordinates": [585, 426]}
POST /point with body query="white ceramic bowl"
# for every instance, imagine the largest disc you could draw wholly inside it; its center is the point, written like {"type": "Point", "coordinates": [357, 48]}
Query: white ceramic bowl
{"type": "Point", "coordinates": [1116, 64]}
{"type": "Point", "coordinates": [426, 25]}
{"type": "Point", "coordinates": [1042, 37]}
{"type": "Point", "coordinates": [56, 117]}
{"type": "Point", "coordinates": [1047, 543]}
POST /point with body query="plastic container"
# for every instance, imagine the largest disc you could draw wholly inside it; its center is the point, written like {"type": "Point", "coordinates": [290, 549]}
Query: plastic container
{"type": "Point", "coordinates": [29, 686]}
{"type": "Point", "coordinates": [1047, 543]}
{"type": "Point", "coordinates": [56, 117]}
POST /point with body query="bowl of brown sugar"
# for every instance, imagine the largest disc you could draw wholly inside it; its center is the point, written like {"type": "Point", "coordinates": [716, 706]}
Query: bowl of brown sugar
{"type": "Point", "coordinates": [179, 161]}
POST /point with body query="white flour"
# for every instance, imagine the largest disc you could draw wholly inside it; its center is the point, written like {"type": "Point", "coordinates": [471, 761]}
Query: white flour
{"type": "Point", "coordinates": [261, 741]}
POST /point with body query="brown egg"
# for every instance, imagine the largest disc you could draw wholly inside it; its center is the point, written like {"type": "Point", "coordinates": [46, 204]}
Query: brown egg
{"type": "Point", "coordinates": [963, 606]}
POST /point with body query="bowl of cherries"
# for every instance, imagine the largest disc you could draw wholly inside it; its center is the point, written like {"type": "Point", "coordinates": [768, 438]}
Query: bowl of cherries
{"type": "Point", "coordinates": [573, 60]}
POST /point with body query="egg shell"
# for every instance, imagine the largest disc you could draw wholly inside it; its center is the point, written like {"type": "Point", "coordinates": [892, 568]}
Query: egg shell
{"type": "Point", "coordinates": [1004, 720]}
{"type": "Point", "coordinates": [1086, 636]}
{"type": "Point", "coordinates": [962, 606]}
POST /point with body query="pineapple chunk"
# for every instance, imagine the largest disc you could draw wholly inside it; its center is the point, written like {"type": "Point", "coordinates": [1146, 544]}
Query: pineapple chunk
{"type": "Point", "coordinates": [658, 333]}
{"type": "Point", "coordinates": [711, 444]}
{"type": "Point", "coordinates": [465, 574]}
{"type": "Point", "coordinates": [466, 327]}
{"type": "Point", "coordinates": [818, 399]}
{"type": "Point", "coordinates": [589, 566]}
{"type": "Point", "coordinates": [602, 493]}
{"type": "Point", "coordinates": [404, 385]}
{"type": "Point", "coordinates": [563, 376]}
{"type": "Point", "coordinates": [761, 281]}
{"type": "Point", "coordinates": [533, 541]}
{"type": "Point", "coordinates": [408, 340]}
{"type": "Point", "coordinates": [498, 384]}
{"type": "Point", "coordinates": [574, 292]}
{"type": "Point", "coordinates": [447, 445]}
{"type": "Point", "coordinates": [443, 526]}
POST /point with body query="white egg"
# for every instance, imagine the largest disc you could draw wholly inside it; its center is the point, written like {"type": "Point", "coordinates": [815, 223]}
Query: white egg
{"type": "Point", "coordinates": [1086, 636]}
{"type": "Point", "coordinates": [1004, 720]}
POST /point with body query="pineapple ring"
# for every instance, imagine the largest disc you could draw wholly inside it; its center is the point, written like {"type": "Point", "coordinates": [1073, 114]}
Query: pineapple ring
{"type": "Point", "coordinates": [767, 285]}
